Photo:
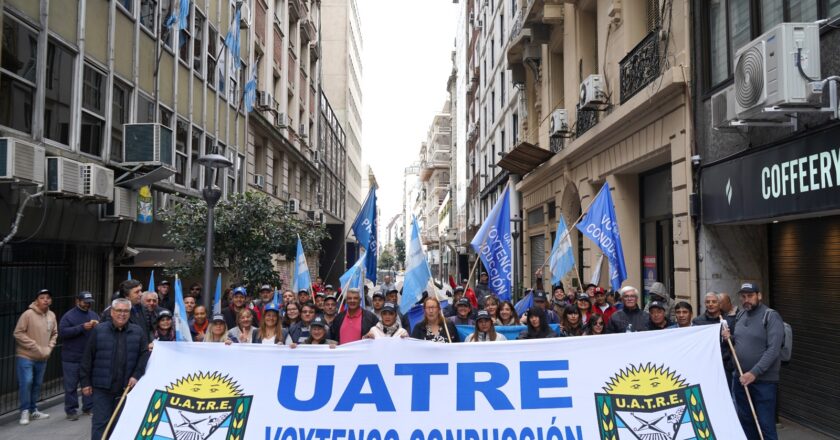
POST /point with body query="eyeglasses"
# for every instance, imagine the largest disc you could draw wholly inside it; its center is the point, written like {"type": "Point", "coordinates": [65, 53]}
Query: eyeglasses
{"type": "Point", "coordinates": [121, 311]}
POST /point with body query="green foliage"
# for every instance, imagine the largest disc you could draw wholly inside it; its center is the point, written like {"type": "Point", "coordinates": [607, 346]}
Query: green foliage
{"type": "Point", "coordinates": [399, 244]}
{"type": "Point", "coordinates": [250, 229]}
{"type": "Point", "coordinates": [386, 260]}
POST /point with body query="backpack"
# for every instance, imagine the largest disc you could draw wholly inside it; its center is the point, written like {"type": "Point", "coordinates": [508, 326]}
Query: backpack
{"type": "Point", "coordinates": [787, 342]}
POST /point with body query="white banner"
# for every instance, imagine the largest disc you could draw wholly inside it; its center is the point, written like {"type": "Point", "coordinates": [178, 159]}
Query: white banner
{"type": "Point", "coordinates": [659, 385]}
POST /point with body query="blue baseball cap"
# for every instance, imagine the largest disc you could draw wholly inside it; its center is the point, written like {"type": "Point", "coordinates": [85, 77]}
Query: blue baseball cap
{"type": "Point", "coordinates": [240, 291]}
{"type": "Point", "coordinates": [749, 288]}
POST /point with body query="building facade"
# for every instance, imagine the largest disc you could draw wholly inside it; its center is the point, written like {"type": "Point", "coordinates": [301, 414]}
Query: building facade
{"type": "Point", "coordinates": [630, 127]}
{"type": "Point", "coordinates": [770, 193]}
{"type": "Point", "coordinates": [342, 82]}
{"type": "Point", "coordinates": [434, 177]}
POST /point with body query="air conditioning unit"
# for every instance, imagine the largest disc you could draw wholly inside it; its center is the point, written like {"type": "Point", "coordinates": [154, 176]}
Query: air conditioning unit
{"type": "Point", "coordinates": [532, 52]}
{"type": "Point", "coordinates": [259, 181]}
{"type": "Point", "coordinates": [472, 17]}
{"type": "Point", "coordinates": [21, 161]}
{"type": "Point", "coordinates": [148, 144]}
{"type": "Point", "coordinates": [264, 100]}
{"type": "Point", "coordinates": [245, 16]}
{"type": "Point", "coordinates": [776, 69]}
{"type": "Point", "coordinates": [64, 177]}
{"type": "Point", "coordinates": [559, 124]}
{"type": "Point", "coordinates": [723, 108]}
{"type": "Point", "coordinates": [592, 94]}
{"type": "Point", "coordinates": [480, 24]}
{"type": "Point", "coordinates": [294, 206]}
{"type": "Point", "coordinates": [322, 218]}
{"type": "Point", "coordinates": [282, 120]}
{"type": "Point", "coordinates": [123, 206]}
{"type": "Point", "coordinates": [98, 182]}
{"type": "Point", "coordinates": [313, 216]}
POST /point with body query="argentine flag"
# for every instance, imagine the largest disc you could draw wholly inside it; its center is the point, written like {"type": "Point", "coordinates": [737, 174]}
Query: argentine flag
{"type": "Point", "coordinates": [182, 326]}
{"type": "Point", "coordinates": [217, 299]}
{"type": "Point", "coordinates": [417, 272]}
{"type": "Point", "coordinates": [562, 258]}
{"type": "Point", "coordinates": [354, 278]}
{"type": "Point", "coordinates": [302, 279]}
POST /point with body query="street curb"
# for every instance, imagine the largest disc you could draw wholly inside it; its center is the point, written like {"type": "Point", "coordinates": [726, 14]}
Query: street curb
{"type": "Point", "coordinates": [43, 404]}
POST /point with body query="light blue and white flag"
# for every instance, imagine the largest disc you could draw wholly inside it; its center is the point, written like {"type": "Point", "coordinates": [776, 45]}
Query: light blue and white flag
{"type": "Point", "coordinates": [417, 272]}
{"type": "Point", "coordinates": [129, 274]}
{"type": "Point", "coordinates": [302, 278]}
{"type": "Point", "coordinates": [354, 278]}
{"type": "Point", "coordinates": [182, 325]}
{"type": "Point", "coordinates": [493, 243]}
{"type": "Point", "coordinates": [151, 286]}
{"type": "Point", "coordinates": [364, 228]}
{"type": "Point", "coordinates": [524, 304]}
{"type": "Point", "coordinates": [562, 258]}
{"type": "Point", "coordinates": [596, 275]}
{"type": "Point", "coordinates": [217, 299]}
{"type": "Point", "coordinates": [251, 90]}
{"type": "Point", "coordinates": [601, 226]}
{"type": "Point", "coordinates": [232, 40]}
{"type": "Point", "coordinates": [179, 15]}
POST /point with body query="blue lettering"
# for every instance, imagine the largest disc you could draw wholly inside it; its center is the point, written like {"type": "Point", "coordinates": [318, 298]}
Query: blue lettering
{"type": "Point", "coordinates": [530, 384]}
{"type": "Point", "coordinates": [468, 386]}
{"type": "Point", "coordinates": [421, 377]}
{"type": "Point", "coordinates": [320, 396]}
{"type": "Point", "coordinates": [339, 434]}
{"type": "Point", "coordinates": [289, 434]}
{"type": "Point", "coordinates": [378, 395]}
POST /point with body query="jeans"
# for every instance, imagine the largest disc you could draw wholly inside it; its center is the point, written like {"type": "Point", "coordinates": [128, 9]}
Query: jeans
{"type": "Point", "coordinates": [30, 377]}
{"type": "Point", "coordinates": [104, 403]}
{"type": "Point", "coordinates": [764, 399]}
{"type": "Point", "coordinates": [71, 384]}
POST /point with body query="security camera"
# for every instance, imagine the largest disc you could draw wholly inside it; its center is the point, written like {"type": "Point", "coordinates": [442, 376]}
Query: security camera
{"type": "Point", "coordinates": [695, 160]}
{"type": "Point", "coordinates": [131, 252]}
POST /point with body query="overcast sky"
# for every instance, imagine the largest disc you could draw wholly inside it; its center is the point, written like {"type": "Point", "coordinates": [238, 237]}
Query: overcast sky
{"type": "Point", "coordinates": [407, 49]}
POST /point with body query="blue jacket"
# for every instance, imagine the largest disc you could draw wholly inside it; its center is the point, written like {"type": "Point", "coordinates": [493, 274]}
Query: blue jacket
{"type": "Point", "coordinates": [73, 336]}
{"type": "Point", "coordinates": [98, 359]}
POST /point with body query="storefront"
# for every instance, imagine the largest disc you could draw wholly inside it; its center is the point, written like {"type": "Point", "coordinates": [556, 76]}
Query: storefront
{"type": "Point", "coordinates": [786, 198]}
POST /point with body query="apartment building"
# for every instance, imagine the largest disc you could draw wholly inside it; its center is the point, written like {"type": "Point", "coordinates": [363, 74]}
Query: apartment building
{"type": "Point", "coordinates": [435, 178]}
{"type": "Point", "coordinates": [341, 40]}
{"type": "Point", "coordinates": [606, 98]}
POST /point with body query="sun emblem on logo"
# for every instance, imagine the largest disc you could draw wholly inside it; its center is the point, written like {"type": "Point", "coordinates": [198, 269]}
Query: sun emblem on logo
{"type": "Point", "coordinates": [651, 402]}
{"type": "Point", "coordinates": [200, 406]}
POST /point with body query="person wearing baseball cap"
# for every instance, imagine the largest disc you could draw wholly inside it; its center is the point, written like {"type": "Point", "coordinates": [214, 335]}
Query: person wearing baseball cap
{"type": "Point", "coordinates": [74, 329]}
{"type": "Point", "coordinates": [376, 303]}
{"type": "Point", "coordinates": [457, 293]}
{"type": "Point", "coordinates": [317, 334]}
{"type": "Point", "coordinates": [163, 331]}
{"type": "Point", "coordinates": [584, 304]}
{"type": "Point", "coordinates": [388, 326]}
{"type": "Point", "coordinates": [463, 310]}
{"type": "Point", "coordinates": [541, 300]}
{"type": "Point", "coordinates": [165, 300]}
{"type": "Point", "coordinates": [601, 306]}
{"type": "Point", "coordinates": [266, 296]}
{"type": "Point", "coordinates": [237, 304]}
{"type": "Point", "coordinates": [35, 335]}
{"type": "Point", "coordinates": [319, 301]}
{"type": "Point", "coordinates": [218, 330]}
{"type": "Point", "coordinates": [484, 330]}
{"type": "Point", "coordinates": [330, 309]}
{"type": "Point", "coordinates": [658, 319]}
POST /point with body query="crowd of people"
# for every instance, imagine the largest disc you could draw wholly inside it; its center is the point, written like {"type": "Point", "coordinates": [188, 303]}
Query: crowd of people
{"type": "Point", "coordinates": [103, 358]}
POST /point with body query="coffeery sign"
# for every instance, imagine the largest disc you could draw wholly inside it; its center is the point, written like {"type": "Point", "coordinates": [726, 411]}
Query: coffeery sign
{"type": "Point", "coordinates": [796, 177]}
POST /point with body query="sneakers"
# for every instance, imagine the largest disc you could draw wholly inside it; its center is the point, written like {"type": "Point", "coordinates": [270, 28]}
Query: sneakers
{"type": "Point", "coordinates": [24, 417]}
{"type": "Point", "coordinates": [73, 416]}
{"type": "Point", "coordinates": [36, 415]}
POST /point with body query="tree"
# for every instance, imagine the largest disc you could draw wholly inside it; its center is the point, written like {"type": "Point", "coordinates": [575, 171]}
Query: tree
{"type": "Point", "coordinates": [399, 245]}
{"type": "Point", "coordinates": [386, 260]}
{"type": "Point", "coordinates": [250, 230]}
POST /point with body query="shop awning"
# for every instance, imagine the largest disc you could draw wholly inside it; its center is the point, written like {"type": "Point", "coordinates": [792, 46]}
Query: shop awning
{"type": "Point", "coordinates": [524, 158]}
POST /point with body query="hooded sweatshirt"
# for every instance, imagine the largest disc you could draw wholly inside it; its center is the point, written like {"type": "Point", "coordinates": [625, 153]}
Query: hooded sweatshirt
{"type": "Point", "coordinates": [35, 334]}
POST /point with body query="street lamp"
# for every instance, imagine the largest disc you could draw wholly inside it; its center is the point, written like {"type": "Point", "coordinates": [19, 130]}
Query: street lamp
{"type": "Point", "coordinates": [517, 223]}
{"type": "Point", "coordinates": [211, 194]}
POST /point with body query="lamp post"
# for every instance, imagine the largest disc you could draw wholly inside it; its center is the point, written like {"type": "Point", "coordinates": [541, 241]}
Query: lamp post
{"type": "Point", "coordinates": [517, 256]}
{"type": "Point", "coordinates": [211, 195]}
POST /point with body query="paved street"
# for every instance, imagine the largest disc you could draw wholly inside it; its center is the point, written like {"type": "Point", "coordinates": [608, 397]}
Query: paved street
{"type": "Point", "coordinates": [57, 428]}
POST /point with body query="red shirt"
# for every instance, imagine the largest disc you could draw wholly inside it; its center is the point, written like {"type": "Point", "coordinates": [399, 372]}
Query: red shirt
{"type": "Point", "coordinates": [606, 313]}
{"type": "Point", "coordinates": [351, 327]}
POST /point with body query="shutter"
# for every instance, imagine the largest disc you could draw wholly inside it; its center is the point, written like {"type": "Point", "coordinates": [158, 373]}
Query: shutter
{"type": "Point", "coordinates": [537, 251]}
{"type": "Point", "coordinates": [805, 289]}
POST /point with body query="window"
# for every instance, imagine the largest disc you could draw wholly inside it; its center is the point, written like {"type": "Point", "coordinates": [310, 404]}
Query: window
{"type": "Point", "coordinates": [493, 106]}
{"type": "Point", "coordinates": [515, 126]}
{"type": "Point", "coordinates": [195, 152]}
{"type": "Point", "coordinates": [59, 93]}
{"type": "Point", "coordinates": [120, 104]}
{"type": "Point", "coordinates": [166, 116]}
{"type": "Point", "coordinates": [127, 5]}
{"type": "Point", "coordinates": [148, 13]}
{"type": "Point", "coordinates": [198, 43]}
{"type": "Point", "coordinates": [502, 87]}
{"type": "Point", "coordinates": [185, 40]}
{"type": "Point", "coordinates": [17, 75]}
{"type": "Point", "coordinates": [166, 9]}
{"type": "Point", "coordinates": [501, 29]}
{"type": "Point", "coordinates": [240, 173]}
{"type": "Point", "coordinates": [182, 134]}
{"type": "Point", "coordinates": [492, 52]}
{"type": "Point", "coordinates": [145, 109]}
{"type": "Point", "coordinates": [209, 148]}
{"type": "Point", "coordinates": [212, 49]}
{"type": "Point", "coordinates": [93, 111]}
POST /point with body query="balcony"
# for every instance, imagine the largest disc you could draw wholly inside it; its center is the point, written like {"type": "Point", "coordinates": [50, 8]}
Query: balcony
{"type": "Point", "coordinates": [640, 67]}
{"type": "Point", "coordinates": [296, 10]}
{"type": "Point", "coordinates": [309, 32]}
{"type": "Point", "coordinates": [586, 119]}
{"type": "Point", "coordinates": [532, 25]}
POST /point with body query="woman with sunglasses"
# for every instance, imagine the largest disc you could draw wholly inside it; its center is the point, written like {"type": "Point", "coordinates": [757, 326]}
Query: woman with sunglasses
{"type": "Point", "coordinates": [299, 331]}
{"type": "Point", "coordinates": [596, 326]}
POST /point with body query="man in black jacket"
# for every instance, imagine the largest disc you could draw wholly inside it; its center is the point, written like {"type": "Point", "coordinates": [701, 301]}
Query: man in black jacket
{"type": "Point", "coordinates": [165, 297]}
{"type": "Point", "coordinates": [353, 323]}
{"type": "Point", "coordinates": [75, 329]}
{"type": "Point", "coordinates": [631, 318]}
{"type": "Point", "coordinates": [114, 359]}
{"type": "Point", "coordinates": [712, 316]}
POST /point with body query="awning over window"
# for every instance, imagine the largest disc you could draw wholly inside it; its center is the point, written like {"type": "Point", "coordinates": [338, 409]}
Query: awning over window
{"type": "Point", "coordinates": [524, 158]}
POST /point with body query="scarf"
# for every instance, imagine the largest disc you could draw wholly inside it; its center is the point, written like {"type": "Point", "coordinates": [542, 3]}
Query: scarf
{"type": "Point", "coordinates": [389, 330]}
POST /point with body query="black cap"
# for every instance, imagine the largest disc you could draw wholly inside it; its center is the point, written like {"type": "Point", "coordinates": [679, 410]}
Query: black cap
{"type": "Point", "coordinates": [393, 291]}
{"type": "Point", "coordinates": [163, 283]}
{"type": "Point", "coordinates": [749, 288]}
{"type": "Point", "coordinates": [318, 322]}
{"type": "Point", "coordinates": [44, 292]}
{"type": "Point", "coordinates": [465, 280]}
{"type": "Point", "coordinates": [463, 302]}
{"type": "Point", "coordinates": [584, 297]}
{"type": "Point", "coordinates": [85, 297]}
{"type": "Point", "coordinates": [163, 314]}
{"type": "Point", "coordinates": [379, 294]}
{"type": "Point", "coordinates": [484, 274]}
{"type": "Point", "coordinates": [459, 289]}
{"type": "Point", "coordinates": [302, 291]}
{"type": "Point", "coordinates": [656, 304]}
{"type": "Point", "coordinates": [389, 307]}
{"type": "Point", "coordinates": [539, 295]}
{"type": "Point", "coordinates": [482, 314]}
{"type": "Point", "coordinates": [330, 298]}
{"type": "Point", "coordinates": [218, 318]}
{"type": "Point", "coordinates": [320, 294]}
{"type": "Point", "coordinates": [329, 286]}
{"type": "Point", "coordinates": [265, 287]}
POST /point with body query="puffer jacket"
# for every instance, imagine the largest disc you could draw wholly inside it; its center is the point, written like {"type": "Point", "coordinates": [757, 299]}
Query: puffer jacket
{"type": "Point", "coordinates": [98, 359]}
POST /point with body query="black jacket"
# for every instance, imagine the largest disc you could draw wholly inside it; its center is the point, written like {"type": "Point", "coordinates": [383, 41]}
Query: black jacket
{"type": "Point", "coordinates": [98, 363]}
{"type": "Point", "coordinates": [622, 318]}
{"type": "Point", "coordinates": [725, 353]}
{"type": "Point", "coordinates": [73, 335]}
{"type": "Point", "coordinates": [368, 321]}
{"type": "Point", "coordinates": [419, 331]}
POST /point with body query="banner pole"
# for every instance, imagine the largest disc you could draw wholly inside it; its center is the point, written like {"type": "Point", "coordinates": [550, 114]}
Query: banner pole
{"type": "Point", "coordinates": [472, 271]}
{"type": "Point", "coordinates": [746, 387]}
{"type": "Point", "coordinates": [446, 327]}
{"type": "Point", "coordinates": [105, 434]}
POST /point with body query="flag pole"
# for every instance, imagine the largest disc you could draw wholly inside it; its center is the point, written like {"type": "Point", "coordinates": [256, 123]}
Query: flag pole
{"type": "Point", "coordinates": [105, 433]}
{"type": "Point", "coordinates": [347, 235]}
{"type": "Point", "coordinates": [746, 387]}
{"type": "Point", "coordinates": [446, 327]}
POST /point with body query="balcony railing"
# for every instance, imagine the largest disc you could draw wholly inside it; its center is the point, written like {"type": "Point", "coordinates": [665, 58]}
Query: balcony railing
{"type": "Point", "coordinates": [586, 119]}
{"type": "Point", "coordinates": [640, 67]}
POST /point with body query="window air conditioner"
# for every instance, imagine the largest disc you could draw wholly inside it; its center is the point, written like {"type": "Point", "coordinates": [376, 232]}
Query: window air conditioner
{"type": "Point", "coordinates": [281, 121]}
{"type": "Point", "coordinates": [776, 69]}
{"type": "Point", "coordinates": [123, 206]}
{"type": "Point", "coordinates": [592, 94]}
{"type": "Point", "coordinates": [294, 206]}
{"type": "Point", "coordinates": [21, 161]}
{"type": "Point", "coordinates": [264, 100]}
{"type": "Point", "coordinates": [98, 182]}
{"type": "Point", "coordinates": [559, 124]}
{"type": "Point", "coordinates": [64, 177]}
{"type": "Point", "coordinates": [148, 144]}
{"type": "Point", "coordinates": [723, 108]}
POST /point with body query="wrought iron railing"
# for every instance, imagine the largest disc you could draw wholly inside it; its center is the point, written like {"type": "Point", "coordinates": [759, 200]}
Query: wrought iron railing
{"type": "Point", "coordinates": [640, 67]}
{"type": "Point", "coordinates": [586, 119]}
{"type": "Point", "coordinates": [555, 144]}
